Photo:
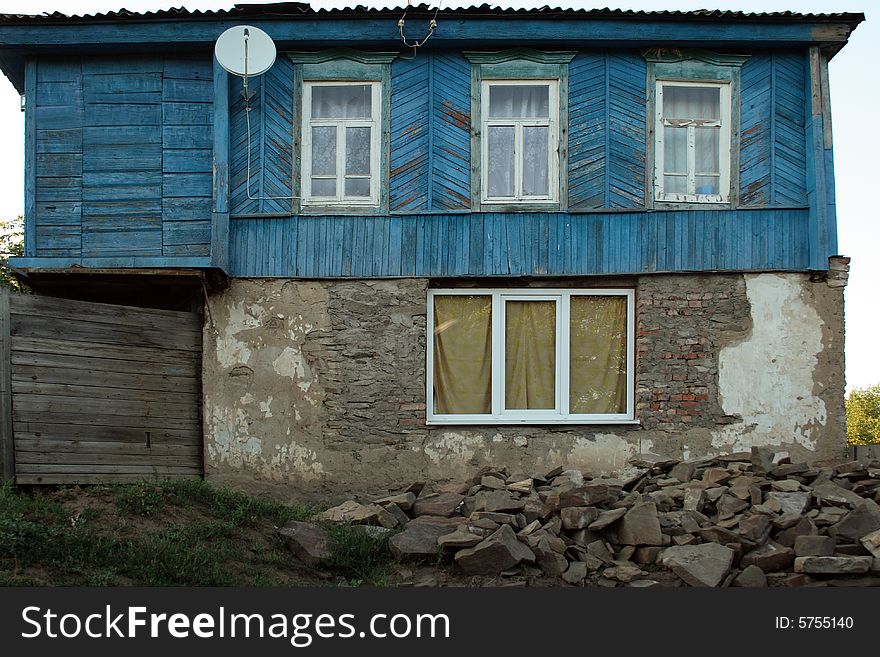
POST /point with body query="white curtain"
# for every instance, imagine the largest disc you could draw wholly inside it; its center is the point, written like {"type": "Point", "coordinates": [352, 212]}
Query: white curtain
{"type": "Point", "coordinates": [350, 101]}
{"type": "Point", "coordinates": [691, 103]}
{"type": "Point", "coordinates": [509, 101]}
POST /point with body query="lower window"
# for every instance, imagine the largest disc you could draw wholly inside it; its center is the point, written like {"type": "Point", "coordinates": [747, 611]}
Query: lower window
{"type": "Point", "coordinates": [530, 356]}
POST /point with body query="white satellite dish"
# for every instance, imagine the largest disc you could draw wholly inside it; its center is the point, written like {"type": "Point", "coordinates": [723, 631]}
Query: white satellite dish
{"type": "Point", "coordinates": [245, 50]}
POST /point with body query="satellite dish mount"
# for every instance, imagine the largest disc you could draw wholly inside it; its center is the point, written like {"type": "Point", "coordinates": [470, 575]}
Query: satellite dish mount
{"type": "Point", "coordinates": [245, 51]}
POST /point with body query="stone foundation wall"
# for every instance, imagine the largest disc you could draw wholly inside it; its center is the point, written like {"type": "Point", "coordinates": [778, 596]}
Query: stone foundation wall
{"type": "Point", "coordinates": [317, 388]}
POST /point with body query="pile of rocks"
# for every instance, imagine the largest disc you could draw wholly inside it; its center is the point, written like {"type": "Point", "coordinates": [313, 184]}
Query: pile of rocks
{"type": "Point", "coordinates": [748, 519]}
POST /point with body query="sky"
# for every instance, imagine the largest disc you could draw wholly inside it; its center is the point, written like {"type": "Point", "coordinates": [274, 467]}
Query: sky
{"type": "Point", "coordinates": [854, 98]}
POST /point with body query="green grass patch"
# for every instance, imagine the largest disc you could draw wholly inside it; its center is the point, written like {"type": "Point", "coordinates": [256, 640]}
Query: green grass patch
{"type": "Point", "coordinates": [172, 533]}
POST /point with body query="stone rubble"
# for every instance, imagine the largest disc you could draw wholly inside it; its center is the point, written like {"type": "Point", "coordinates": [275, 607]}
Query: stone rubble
{"type": "Point", "coordinates": [746, 520]}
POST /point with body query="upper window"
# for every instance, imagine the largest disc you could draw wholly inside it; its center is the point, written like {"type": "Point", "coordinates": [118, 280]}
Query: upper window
{"type": "Point", "coordinates": [341, 143]}
{"type": "Point", "coordinates": [693, 142]}
{"type": "Point", "coordinates": [520, 162]}
{"type": "Point", "coordinates": [538, 356]}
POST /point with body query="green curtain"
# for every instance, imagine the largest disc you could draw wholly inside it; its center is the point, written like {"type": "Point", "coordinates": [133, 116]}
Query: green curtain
{"type": "Point", "coordinates": [597, 358]}
{"type": "Point", "coordinates": [462, 354]}
{"type": "Point", "coordinates": [530, 355]}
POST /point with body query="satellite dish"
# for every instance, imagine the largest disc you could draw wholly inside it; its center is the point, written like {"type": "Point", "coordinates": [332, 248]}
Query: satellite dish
{"type": "Point", "coordinates": [244, 50]}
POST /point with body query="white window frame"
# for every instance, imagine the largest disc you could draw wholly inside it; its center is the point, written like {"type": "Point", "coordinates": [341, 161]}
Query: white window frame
{"type": "Point", "coordinates": [723, 147]}
{"type": "Point", "coordinates": [561, 414]}
{"type": "Point", "coordinates": [375, 125]}
{"type": "Point", "coordinates": [552, 124]}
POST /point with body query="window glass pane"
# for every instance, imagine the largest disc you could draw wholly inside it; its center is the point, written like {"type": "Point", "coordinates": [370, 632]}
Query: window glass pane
{"type": "Point", "coordinates": [675, 184]}
{"type": "Point", "coordinates": [597, 360]}
{"type": "Point", "coordinates": [323, 187]}
{"type": "Point", "coordinates": [675, 150]}
{"type": "Point", "coordinates": [357, 186]}
{"type": "Point", "coordinates": [324, 150]}
{"type": "Point", "coordinates": [706, 149]}
{"type": "Point", "coordinates": [691, 102]}
{"type": "Point", "coordinates": [535, 174]}
{"type": "Point", "coordinates": [707, 184]}
{"type": "Point", "coordinates": [462, 354]}
{"type": "Point", "coordinates": [515, 101]}
{"type": "Point", "coordinates": [530, 355]}
{"type": "Point", "coordinates": [357, 151]}
{"type": "Point", "coordinates": [350, 101]}
{"type": "Point", "coordinates": [501, 154]}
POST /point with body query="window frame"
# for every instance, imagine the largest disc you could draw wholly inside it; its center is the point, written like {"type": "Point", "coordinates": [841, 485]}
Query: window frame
{"type": "Point", "coordinates": [724, 146]}
{"type": "Point", "coordinates": [341, 124]}
{"type": "Point", "coordinates": [526, 64]}
{"type": "Point", "coordinates": [561, 414]}
{"type": "Point", "coordinates": [552, 125]}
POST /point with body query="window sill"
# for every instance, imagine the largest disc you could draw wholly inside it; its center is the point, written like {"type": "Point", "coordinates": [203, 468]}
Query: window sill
{"type": "Point", "coordinates": [527, 422]}
{"type": "Point", "coordinates": [519, 206]}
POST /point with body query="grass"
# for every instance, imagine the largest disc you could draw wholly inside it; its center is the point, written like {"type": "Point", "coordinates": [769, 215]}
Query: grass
{"type": "Point", "coordinates": [173, 533]}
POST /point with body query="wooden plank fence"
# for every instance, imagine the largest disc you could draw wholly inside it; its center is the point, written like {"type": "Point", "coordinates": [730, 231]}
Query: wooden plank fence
{"type": "Point", "coordinates": [98, 393]}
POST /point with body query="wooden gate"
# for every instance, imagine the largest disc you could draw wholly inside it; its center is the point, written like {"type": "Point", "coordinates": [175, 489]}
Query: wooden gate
{"type": "Point", "coordinates": [98, 393]}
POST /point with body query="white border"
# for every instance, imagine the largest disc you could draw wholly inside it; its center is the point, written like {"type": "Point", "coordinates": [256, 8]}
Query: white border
{"type": "Point", "coordinates": [723, 147]}
{"type": "Point", "coordinates": [560, 415]}
{"type": "Point", "coordinates": [375, 125]}
{"type": "Point", "coordinates": [552, 125]}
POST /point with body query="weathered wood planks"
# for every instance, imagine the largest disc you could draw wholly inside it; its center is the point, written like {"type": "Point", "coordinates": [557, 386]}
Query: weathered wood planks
{"type": "Point", "coordinates": [101, 392]}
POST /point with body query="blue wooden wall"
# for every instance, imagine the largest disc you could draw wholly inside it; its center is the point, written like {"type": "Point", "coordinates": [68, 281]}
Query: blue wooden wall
{"type": "Point", "coordinates": [494, 244]}
{"type": "Point", "coordinates": [123, 164]}
{"type": "Point", "coordinates": [773, 151]}
{"type": "Point", "coordinates": [123, 158]}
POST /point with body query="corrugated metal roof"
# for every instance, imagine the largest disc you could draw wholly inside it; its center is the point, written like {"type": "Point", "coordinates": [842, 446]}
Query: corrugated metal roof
{"type": "Point", "coordinates": [292, 10]}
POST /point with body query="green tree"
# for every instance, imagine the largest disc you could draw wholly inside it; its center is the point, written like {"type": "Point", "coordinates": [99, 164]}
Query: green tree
{"type": "Point", "coordinates": [863, 416]}
{"type": "Point", "coordinates": [11, 244]}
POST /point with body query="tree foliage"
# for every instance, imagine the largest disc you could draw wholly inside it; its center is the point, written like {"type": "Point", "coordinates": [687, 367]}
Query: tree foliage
{"type": "Point", "coordinates": [11, 244]}
{"type": "Point", "coordinates": [863, 416]}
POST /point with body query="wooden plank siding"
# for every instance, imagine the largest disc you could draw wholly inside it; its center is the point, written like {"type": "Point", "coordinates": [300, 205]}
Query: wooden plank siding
{"type": "Point", "coordinates": [103, 393]}
{"type": "Point", "coordinates": [526, 244]}
{"type": "Point", "coordinates": [132, 158]}
{"type": "Point", "coordinates": [122, 158]}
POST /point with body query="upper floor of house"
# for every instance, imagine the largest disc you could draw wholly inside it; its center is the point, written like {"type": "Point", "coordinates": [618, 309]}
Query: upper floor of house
{"type": "Point", "coordinates": [526, 143]}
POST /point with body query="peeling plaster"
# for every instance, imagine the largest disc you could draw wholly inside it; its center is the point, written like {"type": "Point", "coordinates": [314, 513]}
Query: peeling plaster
{"type": "Point", "coordinates": [767, 379]}
{"type": "Point", "coordinates": [605, 453]}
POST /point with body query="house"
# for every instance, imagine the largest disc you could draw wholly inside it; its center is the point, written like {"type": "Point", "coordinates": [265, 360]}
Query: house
{"type": "Point", "coordinates": [541, 237]}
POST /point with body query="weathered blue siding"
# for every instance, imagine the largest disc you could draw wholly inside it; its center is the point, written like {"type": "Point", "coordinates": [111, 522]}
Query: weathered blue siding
{"type": "Point", "coordinates": [410, 134]}
{"type": "Point", "coordinates": [773, 155]}
{"type": "Point", "coordinates": [522, 244]}
{"type": "Point", "coordinates": [607, 118]}
{"type": "Point", "coordinates": [123, 158]}
{"type": "Point", "coordinates": [271, 148]}
{"type": "Point", "coordinates": [125, 171]}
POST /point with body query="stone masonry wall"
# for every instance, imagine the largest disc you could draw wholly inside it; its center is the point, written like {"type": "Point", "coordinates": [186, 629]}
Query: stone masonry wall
{"type": "Point", "coordinates": [317, 388]}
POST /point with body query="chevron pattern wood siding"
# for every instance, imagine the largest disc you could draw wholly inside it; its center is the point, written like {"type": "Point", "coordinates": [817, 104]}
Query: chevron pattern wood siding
{"type": "Point", "coordinates": [588, 132]}
{"type": "Point", "coordinates": [523, 244]}
{"type": "Point", "coordinates": [410, 134]}
{"type": "Point", "coordinates": [627, 73]}
{"type": "Point", "coordinates": [773, 142]}
{"type": "Point", "coordinates": [451, 139]}
{"type": "Point", "coordinates": [607, 115]}
{"type": "Point", "coordinates": [271, 142]}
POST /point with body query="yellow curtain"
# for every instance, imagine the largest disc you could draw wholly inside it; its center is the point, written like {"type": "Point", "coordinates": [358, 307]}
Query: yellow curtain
{"type": "Point", "coordinates": [462, 354]}
{"type": "Point", "coordinates": [530, 355]}
{"type": "Point", "coordinates": [598, 354]}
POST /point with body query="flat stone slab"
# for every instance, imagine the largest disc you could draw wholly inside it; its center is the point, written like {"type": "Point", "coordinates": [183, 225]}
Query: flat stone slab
{"type": "Point", "coordinates": [699, 565]}
{"type": "Point", "coordinates": [418, 541]}
{"type": "Point", "coordinates": [308, 542]}
{"type": "Point", "coordinates": [833, 565]}
{"type": "Point", "coordinates": [501, 551]}
{"type": "Point", "coordinates": [437, 504]}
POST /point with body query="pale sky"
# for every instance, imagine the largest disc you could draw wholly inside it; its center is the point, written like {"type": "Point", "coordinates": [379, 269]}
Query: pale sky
{"type": "Point", "coordinates": [855, 99]}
